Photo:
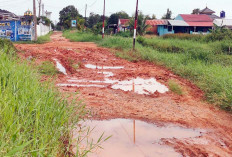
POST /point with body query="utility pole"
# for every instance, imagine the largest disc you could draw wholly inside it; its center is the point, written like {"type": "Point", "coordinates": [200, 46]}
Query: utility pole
{"type": "Point", "coordinates": [39, 2]}
{"type": "Point", "coordinates": [135, 25]}
{"type": "Point", "coordinates": [35, 19]}
{"type": "Point", "coordinates": [85, 14]}
{"type": "Point", "coordinates": [103, 24]}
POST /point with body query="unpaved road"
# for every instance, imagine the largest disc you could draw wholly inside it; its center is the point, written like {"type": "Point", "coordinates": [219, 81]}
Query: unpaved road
{"type": "Point", "coordinates": [95, 87]}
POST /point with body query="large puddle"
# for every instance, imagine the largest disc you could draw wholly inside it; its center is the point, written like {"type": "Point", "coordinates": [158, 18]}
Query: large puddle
{"type": "Point", "coordinates": [91, 66]}
{"type": "Point", "coordinates": [60, 67]}
{"type": "Point", "coordinates": [137, 85]}
{"type": "Point", "coordinates": [133, 138]}
{"type": "Point", "coordinates": [141, 86]}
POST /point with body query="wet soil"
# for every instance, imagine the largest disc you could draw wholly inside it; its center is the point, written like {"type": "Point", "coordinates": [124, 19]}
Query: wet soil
{"type": "Point", "coordinates": [111, 93]}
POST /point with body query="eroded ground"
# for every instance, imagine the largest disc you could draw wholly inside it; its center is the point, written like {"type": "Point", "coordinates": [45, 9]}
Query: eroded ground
{"type": "Point", "coordinates": [115, 88]}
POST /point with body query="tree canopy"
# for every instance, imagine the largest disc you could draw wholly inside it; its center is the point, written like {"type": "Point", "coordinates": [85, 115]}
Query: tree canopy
{"type": "Point", "coordinates": [67, 14]}
{"type": "Point", "coordinates": [113, 19]}
{"type": "Point", "coordinates": [168, 15]}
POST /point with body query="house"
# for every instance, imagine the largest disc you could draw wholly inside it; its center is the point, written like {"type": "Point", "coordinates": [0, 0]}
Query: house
{"type": "Point", "coordinates": [6, 15]}
{"type": "Point", "coordinates": [227, 23]}
{"type": "Point", "coordinates": [158, 27]}
{"type": "Point", "coordinates": [209, 12]}
{"type": "Point", "coordinates": [123, 25]}
{"type": "Point", "coordinates": [197, 23]}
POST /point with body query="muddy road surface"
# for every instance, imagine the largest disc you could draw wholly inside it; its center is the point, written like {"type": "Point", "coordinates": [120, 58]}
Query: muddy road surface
{"type": "Point", "coordinates": [132, 102]}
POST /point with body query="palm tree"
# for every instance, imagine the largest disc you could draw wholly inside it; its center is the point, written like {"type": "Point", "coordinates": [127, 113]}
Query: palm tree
{"type": "Point", "coordinates": [141, 24]}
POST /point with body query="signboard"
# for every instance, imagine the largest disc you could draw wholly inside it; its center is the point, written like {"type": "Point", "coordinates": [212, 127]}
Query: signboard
{"type": "Point", "coordinates": [15, 30]}
{"type": "Point", "coordinates": [74, 23]}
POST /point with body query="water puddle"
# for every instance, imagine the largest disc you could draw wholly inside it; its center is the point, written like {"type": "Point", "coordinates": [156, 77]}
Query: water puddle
{"type": "Point", "coordinates": [91, 66]}
{"type": "Point", "coordinates": [141, 86]}
{"type": "Point", "coordinates": [134, 138]}
{"type": "Point", "coordinates": [60, 67]}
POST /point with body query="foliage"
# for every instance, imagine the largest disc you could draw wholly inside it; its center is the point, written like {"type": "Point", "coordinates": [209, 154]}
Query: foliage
{"type": "Point", "coordinates": [168, 15]}
{"type": "Point", "coordinates": [126, 34]}
{"type": "Point", "coordinates": [113, 19]}
{"type": "Point", "coordinates": [141, 23]}
{"type": "Point", "coordinates": [44, 19]}
{"type": "Point", "coordinates": [196, 11]}
{"type": "Point", "coordinates": [219, 33]}
{"type": "Point", "coordinates": [153, 17]}
{"type": "Point", "coordinates": [66, 15]}
{"type": "Point", "coordinates": [175, 87]}
{"type": "Point", "coordinates": [48, 68]}
{"type": "Point", "coordinates": [184, 36]}
{"type": "Point", "coordinates": [93, 19]}
{"type": "Point", "coordinates": [81, 36]}
{"type": "Point", "coordinates": [35, 119]}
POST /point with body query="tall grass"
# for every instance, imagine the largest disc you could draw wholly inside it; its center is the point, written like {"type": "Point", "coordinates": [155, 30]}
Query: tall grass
{"type": "Point", "coordinates": [34, 119]}
{"type": "Point", "coordinates": [207, 64]}
{"type": "Point", "coordinates": [81, 36]}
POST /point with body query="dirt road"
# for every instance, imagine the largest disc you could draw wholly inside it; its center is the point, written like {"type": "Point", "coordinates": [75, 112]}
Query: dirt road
{"type": "Point", "coordinates": [115, 88]}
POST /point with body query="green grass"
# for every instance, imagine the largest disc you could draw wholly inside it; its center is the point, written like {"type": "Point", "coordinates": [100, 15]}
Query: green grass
{"type": "Point", "coordinates": [175, 87]}
{"type": "Point", "coordinates": [48, 68]}
{"type": "Point", "coordinates": [34, 119]}
{"type": "Point", "coordinates": [81, 37]}
{"type": "Point", "coordinates": [207, 64]}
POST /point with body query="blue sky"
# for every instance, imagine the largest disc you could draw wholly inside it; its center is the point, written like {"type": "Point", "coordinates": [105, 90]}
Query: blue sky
{"type": "Point", "coordinates": [157, 7]}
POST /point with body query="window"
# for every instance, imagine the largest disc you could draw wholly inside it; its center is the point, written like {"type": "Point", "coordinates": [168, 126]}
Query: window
{"type": "Point", "coordinates": [170, 28]}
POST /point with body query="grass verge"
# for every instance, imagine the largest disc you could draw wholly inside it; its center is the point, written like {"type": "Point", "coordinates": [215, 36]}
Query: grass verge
{"type": "Point", "coordinates": [208, 65]}
{"type": "Point", "coordinates": [34, 119]}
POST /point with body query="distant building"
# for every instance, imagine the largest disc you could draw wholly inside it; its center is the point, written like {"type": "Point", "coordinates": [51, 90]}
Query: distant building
{"type": "Point", "coordinates": [226, 23]}
{"type": "Point", "coordinates": [210, 13]}
{"type": "Point", "coordinates": [6, 15]}
{"type": "Point", "coordinates": [123, 25]}
{"type": "Point", "coordinates": [158, 27]}
{"type": "Point", "coordinates": [48, 14]}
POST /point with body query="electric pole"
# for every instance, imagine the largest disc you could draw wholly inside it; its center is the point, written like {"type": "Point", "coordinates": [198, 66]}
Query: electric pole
{"type": "Point", "coordinates": [103, 24]}
{"type": "Point", "coordinates": [85, 14]}
{"type": "Point", "coordinates": [35, 19]}
{"type": "Point", "coordinates": [39, 2]}
{"type": "Point", "coordinates": [135, 25]}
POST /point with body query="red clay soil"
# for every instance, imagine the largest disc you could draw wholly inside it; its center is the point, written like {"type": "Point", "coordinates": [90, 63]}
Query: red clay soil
{"type": "Point", "coordinates": [188, 110]}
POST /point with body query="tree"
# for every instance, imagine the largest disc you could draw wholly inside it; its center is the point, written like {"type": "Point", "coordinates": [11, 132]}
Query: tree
{"type": "Point", "coordinates": [141, 24]}
{"type": "Point", "coordinates": [66, 15]}
{"type": "Point", "coordinates": [93, 20]}
{"type": "Point", "coordinates": [113, 19]}
{"type": "Point", "coordinates": [153, 17]}
{"type": "Point", "coordinates": [196, 11]}
{"type": "Point", "coordinates": [168, 15]}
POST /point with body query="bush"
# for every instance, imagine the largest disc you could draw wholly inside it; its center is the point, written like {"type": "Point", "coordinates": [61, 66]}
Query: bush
{"type": "Point", "coordinates": [184, 36]}
{"type": "Point", "coordinates": [126, 34]}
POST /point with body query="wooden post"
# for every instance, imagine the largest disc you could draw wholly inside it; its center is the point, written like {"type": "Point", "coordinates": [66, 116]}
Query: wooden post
{"type": "Point", "coordinates": [103, 24]}
{"type": "Point", "coordinates": [135, 25]}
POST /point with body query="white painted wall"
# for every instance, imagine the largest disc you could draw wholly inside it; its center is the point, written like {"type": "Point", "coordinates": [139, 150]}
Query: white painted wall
{"type": "Point", "coordinates": [42, 29]}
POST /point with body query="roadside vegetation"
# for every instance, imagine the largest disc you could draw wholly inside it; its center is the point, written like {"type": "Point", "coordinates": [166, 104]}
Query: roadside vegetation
{"type": "Point", "coordinates": [34, 118]}
{"type": "Point", "coordinates": [48, 68]}
{"type": "Point", "coordinates": [205, 60]}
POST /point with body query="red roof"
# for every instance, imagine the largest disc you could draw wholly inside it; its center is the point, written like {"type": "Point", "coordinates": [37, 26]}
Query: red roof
{"type": "Point", "coordinates": [124, 21]}
{"type": "Point", "coordinates": [201, 24]}
{"type": "Point", "coordinates": [156, 22]}
{"type": "Point", "coordinates": [196, 18]}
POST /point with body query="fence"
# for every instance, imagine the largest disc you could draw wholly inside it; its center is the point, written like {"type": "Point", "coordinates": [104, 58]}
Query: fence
{"type": "Point", "coordinates": [21, 30]}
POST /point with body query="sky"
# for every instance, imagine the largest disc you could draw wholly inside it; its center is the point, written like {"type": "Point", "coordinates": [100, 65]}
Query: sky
{"type": "Point", "coordinates": [148, 7]}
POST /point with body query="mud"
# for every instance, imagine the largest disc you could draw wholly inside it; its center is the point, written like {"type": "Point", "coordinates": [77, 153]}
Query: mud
{"type": "Point", "coordinates": [136, 138]}
{"type": "Point", "coordinates": [95, 86]}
